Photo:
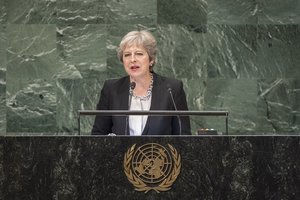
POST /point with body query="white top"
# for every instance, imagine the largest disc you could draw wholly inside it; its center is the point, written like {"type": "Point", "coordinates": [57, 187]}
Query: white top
{"type": "Point", "coordinates": [137, 122]}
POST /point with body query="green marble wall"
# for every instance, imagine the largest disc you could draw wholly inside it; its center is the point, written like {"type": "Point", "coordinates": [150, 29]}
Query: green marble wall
{"type": "Point", "coordinates": [235, 55]}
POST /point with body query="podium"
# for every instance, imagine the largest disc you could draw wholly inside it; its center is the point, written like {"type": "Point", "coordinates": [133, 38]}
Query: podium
{"type": "Point", "coordinates": [177, 113]}
{"type": "Point", "coordinates": [211, 167]}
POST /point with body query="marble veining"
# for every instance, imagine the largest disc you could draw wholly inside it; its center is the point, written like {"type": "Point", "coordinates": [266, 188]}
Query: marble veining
{"type": "Point", "coordinates": [279, 12]}
{"type": "Point", "coordinates": [232, 12]}
{"type": "Point", "coordinates": [32, 109]}
{"type": "Point", "coordinates": [30, 12]}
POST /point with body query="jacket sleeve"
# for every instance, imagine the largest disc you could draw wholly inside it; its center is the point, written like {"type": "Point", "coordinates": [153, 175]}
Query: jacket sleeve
{"type": "Point", "coordinates": [103, 124]}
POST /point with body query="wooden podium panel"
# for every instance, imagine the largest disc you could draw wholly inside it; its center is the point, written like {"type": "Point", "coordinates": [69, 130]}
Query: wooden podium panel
{"type": "Point", "coordinates": [97, 167]}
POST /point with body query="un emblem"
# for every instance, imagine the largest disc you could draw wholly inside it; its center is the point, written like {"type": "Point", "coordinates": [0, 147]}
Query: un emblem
{"type": "Point", "coordinates": [152, 167]}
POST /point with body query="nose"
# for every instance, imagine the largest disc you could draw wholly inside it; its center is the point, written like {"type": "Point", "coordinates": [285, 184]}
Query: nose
{"type": "Point", "coordinates": [133, 59]}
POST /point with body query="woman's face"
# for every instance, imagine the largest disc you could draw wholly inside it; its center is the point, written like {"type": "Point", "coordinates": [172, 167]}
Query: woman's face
{"type": "Point", "coordinates": [136, 61]}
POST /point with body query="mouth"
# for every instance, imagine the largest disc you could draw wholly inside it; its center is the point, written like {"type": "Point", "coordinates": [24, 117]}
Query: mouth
{"type": "Point", "coordinates": [134, 67]}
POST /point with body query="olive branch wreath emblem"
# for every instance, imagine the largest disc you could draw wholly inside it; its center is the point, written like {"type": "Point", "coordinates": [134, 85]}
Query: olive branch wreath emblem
{"type": "Point", "coordinates": [141, 186]}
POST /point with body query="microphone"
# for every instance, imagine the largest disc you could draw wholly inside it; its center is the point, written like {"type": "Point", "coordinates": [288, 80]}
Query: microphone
{"type": "Point", "coordinates": [174, 104]}
{"type": "Point", "coordinates": [131, 86]}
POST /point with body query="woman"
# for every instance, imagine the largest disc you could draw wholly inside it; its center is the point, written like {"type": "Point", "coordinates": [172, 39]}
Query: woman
{"type": "Point", "coordinates": [142, 89]}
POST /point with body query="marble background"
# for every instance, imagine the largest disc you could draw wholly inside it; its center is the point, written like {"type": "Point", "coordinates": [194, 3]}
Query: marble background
{"type": "Point", "coordinates": [235, 55]}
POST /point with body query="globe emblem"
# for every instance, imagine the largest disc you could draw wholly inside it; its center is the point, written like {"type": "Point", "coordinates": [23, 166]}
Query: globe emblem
{"type": "Point", "coordinates": [152, 163]}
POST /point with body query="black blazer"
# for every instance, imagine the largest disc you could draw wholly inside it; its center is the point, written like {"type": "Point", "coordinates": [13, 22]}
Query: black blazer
{"type": "Point", "coordinates": [115, 96]}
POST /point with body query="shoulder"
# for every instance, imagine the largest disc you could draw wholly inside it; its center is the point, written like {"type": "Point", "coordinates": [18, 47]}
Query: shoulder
{"type": "Point", "coordinates": [168, 82]}
{"type": "Point", "coordinates": [115, 83]}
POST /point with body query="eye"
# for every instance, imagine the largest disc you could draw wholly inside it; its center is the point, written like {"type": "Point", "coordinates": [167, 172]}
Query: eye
{"type": "Point", "coordinates": [126, 54]}
{"type": "Point", "coordinates": [139, 53]}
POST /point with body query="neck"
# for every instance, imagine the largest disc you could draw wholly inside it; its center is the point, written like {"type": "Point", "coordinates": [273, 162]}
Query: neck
{"type": "Point", "coordinates": [142, 81]}
{"type": "Point", "coordinates": [142, 85]}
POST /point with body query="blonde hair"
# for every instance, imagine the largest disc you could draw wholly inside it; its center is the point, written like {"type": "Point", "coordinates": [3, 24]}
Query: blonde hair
{"type": "Point", "coordinates": [140, 38]}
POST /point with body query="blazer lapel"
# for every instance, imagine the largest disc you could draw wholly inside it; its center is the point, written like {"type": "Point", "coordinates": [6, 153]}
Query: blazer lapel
{"type": "Point", "coordinates": [155, 99]}
{"type": "Point", "coordinates": [123, 95]}
{"type": "Point", "coordinates": [123, 90]}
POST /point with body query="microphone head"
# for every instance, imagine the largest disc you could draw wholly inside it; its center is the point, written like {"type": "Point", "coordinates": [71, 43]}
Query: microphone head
{"type": "Point", "coordinates": [132, 85]}
{"type": "Point", "coordinates": [169, 88]}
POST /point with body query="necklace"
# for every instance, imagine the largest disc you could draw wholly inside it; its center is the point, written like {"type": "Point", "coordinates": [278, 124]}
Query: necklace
{"type": "Point", "coordinates": [149, 91]}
